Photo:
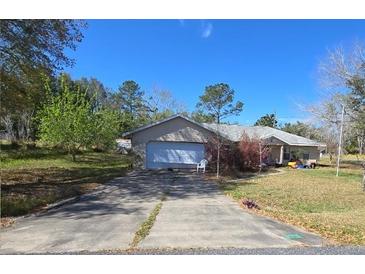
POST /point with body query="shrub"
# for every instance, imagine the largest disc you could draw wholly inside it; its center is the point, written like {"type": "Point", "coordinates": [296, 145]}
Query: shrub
{"type": "Point", "coordinates": [253, 152]}
{"type": "Point", "coordinates": [249, 154]}
{"type": "Point", "coordinates": [229, 155]}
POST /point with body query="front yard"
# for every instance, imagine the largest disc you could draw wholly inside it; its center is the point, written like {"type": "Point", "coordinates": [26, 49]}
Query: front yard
{"type": "Point", "coordinates": [33, 178]}
{"type": "Point", "coordinates": [313, 199]}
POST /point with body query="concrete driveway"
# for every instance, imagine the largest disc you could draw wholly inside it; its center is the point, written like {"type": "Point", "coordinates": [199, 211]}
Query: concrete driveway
{"type": "Point", "coordinates": [194, 214]}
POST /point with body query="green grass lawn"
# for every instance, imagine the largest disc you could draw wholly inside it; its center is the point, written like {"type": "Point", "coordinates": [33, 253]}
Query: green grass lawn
{"type": "Point", "coordinates": [313, 199]}
{"type": "Point", "coordinates": [33, 178]}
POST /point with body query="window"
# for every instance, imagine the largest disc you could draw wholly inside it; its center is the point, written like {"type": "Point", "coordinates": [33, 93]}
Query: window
{"type": "Point", "coordinates": [305, 156]}
{"type": "Point", "coordinates": [294, 155]}
{"type": "Point", "coordinates": [286, 153]}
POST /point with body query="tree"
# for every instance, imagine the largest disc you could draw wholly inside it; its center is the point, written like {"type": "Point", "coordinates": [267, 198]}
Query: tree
{"type": "Point", "coordinates": [217, 102]}
{"type": "Point", "coordinates": [67, 120]}
{"type": "Point", "coordinates": [162, 104]}
{"type": "Point", "coordinates": [302, 129]}
{"type": "Point", "coordinates": [328, 116]}
{"type": "Point", "coordinates": [356, 106]}
{"type": "Point", "coordinates": [8, 122]}
{"type": "Point", "coordinates": [105, 128]}
{"type": "Point", "coordinates": [201, 117]}
{"type": "Point", "coordinates": [130, 100]}
{"type": "Point", "coordinates": [268, 120]}
{"type": "Point", "coordinates": [95, 90]}
{"type": "Point", "coordinates": [363, 175]}
{"type": "Point", "coordinates": [29, 48]}
{"type": "Point", "coordinates": [342, 76]}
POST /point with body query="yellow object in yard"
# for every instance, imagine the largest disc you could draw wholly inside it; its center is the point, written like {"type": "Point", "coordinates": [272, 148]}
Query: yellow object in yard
{"type": "Point", "coordinates": [292, 164]}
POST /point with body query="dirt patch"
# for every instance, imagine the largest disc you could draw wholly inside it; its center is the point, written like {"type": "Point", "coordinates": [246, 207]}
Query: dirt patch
{"type": "Point", "coordinates": [26, 191]}
{"type": "Point", "coordinates": [17, 200]}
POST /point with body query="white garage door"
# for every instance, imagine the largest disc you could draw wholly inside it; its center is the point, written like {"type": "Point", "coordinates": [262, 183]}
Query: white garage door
{"type": "Point", "coordinates": [173, 154]}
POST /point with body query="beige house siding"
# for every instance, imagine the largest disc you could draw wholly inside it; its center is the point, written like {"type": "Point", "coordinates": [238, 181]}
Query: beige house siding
{"type": "Point", "coordinates": [182, 130]}
{"type": "Point", "coordinates": [174, 130]}
{"type": "Point", "coordinates": [273, 141]}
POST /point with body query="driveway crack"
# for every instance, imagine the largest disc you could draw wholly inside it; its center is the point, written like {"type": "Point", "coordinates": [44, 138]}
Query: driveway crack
{"type": "Point", "coordinates": [146, 226]}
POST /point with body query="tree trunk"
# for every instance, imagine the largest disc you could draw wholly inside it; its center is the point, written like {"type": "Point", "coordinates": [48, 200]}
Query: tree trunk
{"type": "Point", "coordinates": [330, 158]}
{"type": "Point", "coordinates": [72, 151]}
{"type": "Point", "coordinates": [360, 141]}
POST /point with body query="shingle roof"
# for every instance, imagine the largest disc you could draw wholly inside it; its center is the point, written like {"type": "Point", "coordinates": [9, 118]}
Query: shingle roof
{"type": "Point", "coordinates": [235, 132]}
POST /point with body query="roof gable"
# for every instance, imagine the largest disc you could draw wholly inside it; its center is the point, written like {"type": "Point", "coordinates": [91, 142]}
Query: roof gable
{"type": "Point", "coordinates": [129, 133]}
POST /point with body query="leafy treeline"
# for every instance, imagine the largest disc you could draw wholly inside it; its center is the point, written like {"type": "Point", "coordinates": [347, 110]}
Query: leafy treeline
{"type": "Point", "coordinates": [31, 51]}
{"type": "Point", "coordinates": [268, 120]}
{"type": "Point", "coordinates": [39, 102]}
{"type": "Point", "coordinates": [32, 57]}
{"type": "Point", "coordinates": [70, 120]}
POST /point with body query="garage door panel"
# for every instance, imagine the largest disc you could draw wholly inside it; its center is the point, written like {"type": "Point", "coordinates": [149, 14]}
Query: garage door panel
{"type": "Point", "coordinates": [173, 154]}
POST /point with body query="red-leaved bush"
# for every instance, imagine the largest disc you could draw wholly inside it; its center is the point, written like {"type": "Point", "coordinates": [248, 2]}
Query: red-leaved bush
{"type": "Point", "coordinates": [253, 152]}
{"type": "Point", "coordinates": [241, 156]}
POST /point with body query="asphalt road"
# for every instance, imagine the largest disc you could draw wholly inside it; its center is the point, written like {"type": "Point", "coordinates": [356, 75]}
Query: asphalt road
{"type": "Point", "coordinates": [328, 250]}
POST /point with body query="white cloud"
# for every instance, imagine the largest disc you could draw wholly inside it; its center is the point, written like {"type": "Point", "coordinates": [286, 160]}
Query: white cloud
{"type": "Point", "coordinates": [207, 29]}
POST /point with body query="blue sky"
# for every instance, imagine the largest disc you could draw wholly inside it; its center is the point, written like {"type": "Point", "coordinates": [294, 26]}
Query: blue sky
{"type": "Point", "coordinates": [271, 64]}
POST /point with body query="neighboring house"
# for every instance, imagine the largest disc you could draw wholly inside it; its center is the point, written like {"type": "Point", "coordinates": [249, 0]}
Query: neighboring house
{"type": "Point", "coordinates": [179, 142]}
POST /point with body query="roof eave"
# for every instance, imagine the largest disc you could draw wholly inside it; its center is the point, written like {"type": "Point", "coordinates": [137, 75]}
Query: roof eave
{"type": "Point", "coordinates": [296, 144]}
{"type": "Point", "coordinates": [129, 133]}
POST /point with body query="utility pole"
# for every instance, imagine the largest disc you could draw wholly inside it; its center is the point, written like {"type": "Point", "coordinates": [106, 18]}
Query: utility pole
{"type": "Point", "coordinates": [218, 149]}
{"type": "Point", "coordinates": [260, 151]}
{"type": "Point", "coordinates": [340, 141]}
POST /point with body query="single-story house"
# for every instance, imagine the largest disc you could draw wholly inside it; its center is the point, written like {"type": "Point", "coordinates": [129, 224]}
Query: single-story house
{"type": "Point", "coordinates": [179, 142]}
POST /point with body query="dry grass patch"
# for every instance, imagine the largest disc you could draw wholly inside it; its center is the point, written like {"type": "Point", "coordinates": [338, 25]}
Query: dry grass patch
{"type": "Point", "coordinates": [31, 179]}
{"type": "Point", "coordinates": [313, 199]}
